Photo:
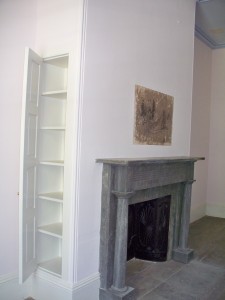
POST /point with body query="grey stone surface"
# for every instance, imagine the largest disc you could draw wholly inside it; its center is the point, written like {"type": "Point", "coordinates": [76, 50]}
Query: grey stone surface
{"type": "Point", "coordinates": [207, 236]}
{"type": "Point", "coordinates": [110, 294]}
{"type": "Point", "coordinates": [119, 268]}
{"type": "Point", "coordinates": [147, 160]}
{"type": "Point", "coordinates": [168, 292]}
{"type": "Point", "coordinates": [183, 255]}
{"type": "Point", "coordinates": [108, 229]}
{"type": "Point", "coordinates": [185, 215]}
{"type": "Point", "coordinates": [201, 279]}
{"type": "Point", "coordinates": [142, 179]}
{"type": "Point", "coordinates": [196, 280]}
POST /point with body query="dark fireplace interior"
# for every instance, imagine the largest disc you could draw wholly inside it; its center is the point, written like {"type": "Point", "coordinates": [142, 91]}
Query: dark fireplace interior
{"type": "Point", "coordinates": [148, 227]}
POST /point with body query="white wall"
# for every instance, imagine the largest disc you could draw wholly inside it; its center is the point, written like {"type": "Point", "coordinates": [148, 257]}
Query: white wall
{"type": "Point", "coordinates": [200, 125]}
{"type": "Point", "coordinates": [48, 27]}
{"type": "Point", "coordinates": [129, 42]}
{"type": "Point", "coordinates": [17, 30]}
{"type": "Point", "coordinates": [57, 26]}
{"type": "Point", "coordinates": [216, 187]}
{"type": "Point", "coordinates": [207, 136]}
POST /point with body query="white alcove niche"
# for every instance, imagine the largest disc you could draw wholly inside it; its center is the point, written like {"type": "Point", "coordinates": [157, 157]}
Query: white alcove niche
{"type": "Point", "coordinates": [46, 186]}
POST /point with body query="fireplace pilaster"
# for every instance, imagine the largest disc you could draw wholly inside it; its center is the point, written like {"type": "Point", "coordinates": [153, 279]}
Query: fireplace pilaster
{"type": "Point", "coordinates": [121, 242]}
{"type": "Point", "coordinates": [182, 253]}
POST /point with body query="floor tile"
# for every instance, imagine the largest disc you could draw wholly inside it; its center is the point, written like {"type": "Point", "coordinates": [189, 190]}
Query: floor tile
{"type": "Point", "coordinates": [166, 291]}
{"type": "Point", "coordinates": [201, 279]}
{"type": "Point", "coordinates": [196, 278]}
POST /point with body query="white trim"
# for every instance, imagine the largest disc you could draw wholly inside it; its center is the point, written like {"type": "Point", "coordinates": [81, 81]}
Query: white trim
{"type": "Point", "coordinates": [46, 288]}
{"type": "Point", "coordinates": [87, 288]}
{"type": "Point", "coordinates": [43, 286]}
{"type": "Point", "coordinates": [11, 289]}
{"type": "Point", "coordinates": [65, 284]}
{"type": "Point", "coordinates": [197, 212]}
{"type": "Point", "coordinates": [215, 210]}
{"type": "Point", "coordinates": [86, 281]}
{"type": "Point", "coordinates": [53, 279]}
{"type": "Point", "coordinates": [8, 277]}
{"type": "Point", "coordinates": [79, 134]}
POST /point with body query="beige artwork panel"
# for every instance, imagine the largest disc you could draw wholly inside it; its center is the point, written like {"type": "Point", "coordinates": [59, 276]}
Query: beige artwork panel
{"type": "Point", "coordinates": [153, 117]}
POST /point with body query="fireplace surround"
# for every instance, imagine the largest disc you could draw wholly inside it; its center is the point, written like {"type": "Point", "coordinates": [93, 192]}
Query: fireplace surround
{"type": "Point", "coordinates": [130, 181]}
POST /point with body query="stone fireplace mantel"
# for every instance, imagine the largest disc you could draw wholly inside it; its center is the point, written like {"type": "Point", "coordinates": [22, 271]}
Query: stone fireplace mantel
{"type": "Point", "coordinates": [129, 181]}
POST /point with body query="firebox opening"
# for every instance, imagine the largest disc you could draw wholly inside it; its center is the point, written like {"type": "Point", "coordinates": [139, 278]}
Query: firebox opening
{"type": "Point", "coordinates": [148, 228]}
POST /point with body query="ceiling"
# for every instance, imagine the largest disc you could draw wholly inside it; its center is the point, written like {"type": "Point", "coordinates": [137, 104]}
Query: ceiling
{"type": "Point", "coordinates": [210, 22]}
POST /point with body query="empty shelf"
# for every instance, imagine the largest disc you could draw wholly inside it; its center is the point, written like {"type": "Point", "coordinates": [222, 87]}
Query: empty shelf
{"type": "Point", "coordinates": [59, 163]}
{"type": "Point", "coordinates": [53, 266]}
{"type": "Point", "coordinates": [55, 94]}
{"type": "Point", "coordinates": [52, 229]}
{"type": "Point", "coordinates": [59, 60]}
{"type": "Point", "coordinates": [54, 196]}
{"type": "Point", "coordinates": [52, 128]}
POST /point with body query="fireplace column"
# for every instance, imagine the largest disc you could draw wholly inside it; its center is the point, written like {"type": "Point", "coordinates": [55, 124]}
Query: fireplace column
{"type": "Point", "coordinates": [183, 253]}
{"type": "Point", "coordinates": [120, 254]}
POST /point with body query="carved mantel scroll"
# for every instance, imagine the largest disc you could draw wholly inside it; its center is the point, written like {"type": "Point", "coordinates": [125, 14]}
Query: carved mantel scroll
{"type": "Point", "coordinates": [129, 181]}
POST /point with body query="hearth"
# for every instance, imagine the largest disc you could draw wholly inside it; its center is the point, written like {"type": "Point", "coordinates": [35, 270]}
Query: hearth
{"type": "Point", "coordinates": [126, 182]}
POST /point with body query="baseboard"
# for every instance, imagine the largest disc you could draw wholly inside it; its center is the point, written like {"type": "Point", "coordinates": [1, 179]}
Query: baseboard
{"type": "Point", "coordinates": [11, 289]}
{"type": "Point", "coordinates": [45, 287]}
{"type": "Point", "coordinates": [8, 277]}
{"type": "Point", "coordinates": [197, 212]}
{"type": "Point", "coordinates": [215, 210]}
{"type": "Point", "coordinates": [87, 288]}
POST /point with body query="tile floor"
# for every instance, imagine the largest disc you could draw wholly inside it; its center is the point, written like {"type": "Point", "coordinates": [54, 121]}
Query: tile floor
{"type": "Point", "coordinates": [202, 279]}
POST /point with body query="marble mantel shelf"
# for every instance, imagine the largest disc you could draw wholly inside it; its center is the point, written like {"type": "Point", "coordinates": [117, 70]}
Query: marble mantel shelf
{"type": "Point", "coordinates": [127, 181]}
{"type": "Point", "coordinates": [147, 160]}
